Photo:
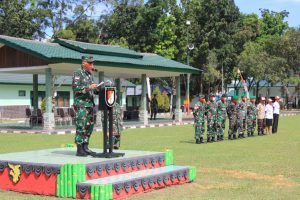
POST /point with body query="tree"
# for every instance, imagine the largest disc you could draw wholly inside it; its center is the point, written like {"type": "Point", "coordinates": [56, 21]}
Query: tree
{"type": "Point", "coordinates": [211, 74]}
{"type": "Point", "coordinates": [64, 13]}
{"type": "Point", "coordinates": [286, 48]}
{"type": "Point", "coordinates": [249, 29]}
{"type": "Point", "coordinates": [85, 30]}
{"type": "Point", "coordinates": [216, 23]}
{"type": "Point", "coordinates": [166, 37]}
{"type": "Point", "coordinates": [21, 19]}
{"type": "Point", "coordinates": [120, 23]}
{"type": "Point", "coordinates": [65, 34]}
{"type": "Point", "coordinates": [253, 61]}
{"type": "Point", "coordinates": [161, 99]}
{"type": "Point", "coordinates": [273, 22]}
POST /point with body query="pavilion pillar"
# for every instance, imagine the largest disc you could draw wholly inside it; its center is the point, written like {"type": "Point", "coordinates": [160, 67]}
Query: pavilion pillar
{"type": "Point", "coordinates": [98, 114]}
{"type": "Point", "coordinates": [143, 113]}
{"type": "Point", "coordinates": [49, 115]}
{"type": "Point", "coordinates": [178, 111]}
{"type": "Point", "coordinates": [35, 94]}
{"type": "Point", "coordinates": [119, 93]}
{"type": "Point", "coordinates": [187, 98]}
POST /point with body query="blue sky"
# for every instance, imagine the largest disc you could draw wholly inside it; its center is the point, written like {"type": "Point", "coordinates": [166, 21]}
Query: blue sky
{"type": "Point", "coordinates": [292, 6]}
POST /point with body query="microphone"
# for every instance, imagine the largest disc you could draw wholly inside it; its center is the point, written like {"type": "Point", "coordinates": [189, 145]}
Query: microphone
{"type": "Point", "coordinates": [95, 70]}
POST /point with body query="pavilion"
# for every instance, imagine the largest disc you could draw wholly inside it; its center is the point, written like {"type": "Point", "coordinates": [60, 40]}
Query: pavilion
{"type": "Point", "coordinates": [63, 57]}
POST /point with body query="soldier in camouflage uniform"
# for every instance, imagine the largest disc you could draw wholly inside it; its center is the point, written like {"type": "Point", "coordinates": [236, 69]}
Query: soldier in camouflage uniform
{"type": "Point", "coordinates": [245, 100]}
{"type": "Point", "coordinates": [232, 115]}
{"type": "Point", "coordinates": [117, 125]}
{"type": "Point", "coordinates": [84, 89]}
{"type": "Point", "coordinates": [251, 116]}
{"type": "Point", "coordinates": [241, 116]}
{"type": "Point", "coordinates": [261, 116]}
{"type": "Point", "coordinates": [211, 113]}
{"type": "Point", "coordinates": [199, 119]}
{"type": "Point", "coordinates": [221, 117]}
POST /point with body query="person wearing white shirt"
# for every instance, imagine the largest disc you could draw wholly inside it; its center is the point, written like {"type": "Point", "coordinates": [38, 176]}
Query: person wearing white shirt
{"type": "Point", "coordinates": [276, 110]}
{"type": "Point", "coordinates": [269, 116]}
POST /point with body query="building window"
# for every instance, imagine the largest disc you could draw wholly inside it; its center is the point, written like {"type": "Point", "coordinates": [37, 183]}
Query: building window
{"type": "Point", "coordinates": [22, 93]}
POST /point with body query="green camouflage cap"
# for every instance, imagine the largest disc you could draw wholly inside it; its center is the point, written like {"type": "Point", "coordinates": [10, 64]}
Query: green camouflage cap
{"type": "Point", "coordinates": [201, 96]}
{"type": "Point", "coordinates": [89, 59]}
{"type": "Point", "coordinates": [252, 97]}
{"type": "Point", "coordinates": [235, 97]}
{"type": "Point", "coordinates": [244, 95]}
{"type": "Point", "coordinates": [83, 58]}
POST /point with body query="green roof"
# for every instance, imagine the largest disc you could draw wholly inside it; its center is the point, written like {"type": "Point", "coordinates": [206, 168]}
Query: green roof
{"type": "Point", "coordinates": [84, 47]}
{"type": "Point", "coordinates": [66, 51]}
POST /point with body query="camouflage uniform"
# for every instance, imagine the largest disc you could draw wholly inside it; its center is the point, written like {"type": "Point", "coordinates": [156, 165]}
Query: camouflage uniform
{"type": "Point", "coordinates": [232, 115]}
{"type": "Point", "coordinates": [261, 116]}
{"type": "Point", "coordinates": [251, 118]}
{"type": "Point", "coordinates": [117, 125]}
{"type": "Point", "coordinates": [221, 119]}
{"type": "Point", "coordinates": [199, 121]}
{"type": "Point", "coordinates": [241, 116]}
{"type": "Point", "coordinates": [83, 105]}
{"type": "Point", "coordinates": [211, 113]}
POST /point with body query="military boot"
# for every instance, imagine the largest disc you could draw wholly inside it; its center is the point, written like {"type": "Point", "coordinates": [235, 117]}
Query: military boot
{"type": "Point", "coordinates": [229, 137]}
{"type": "Point", "coordinates": [197, 141]}
{"type": "Point", "coordinates": [80, 151]}
{"type": "Point", "coordinates": [221, 137]}
{"type": "Point", "coordinates": [248, 134]}
{"type": "Point", "coordinates": [208, 139]}
{"type": "Point", "coordinates": [252, 134]}
{"type": "Point", "coordinates": [212, 139]}
{"type": "Point", "coordinates": [201, 140]}
{"type": "Point", "coordinates": [234, 136]}
{"type": "Point", "coordinates": [85, 147]}
{"type": "Point", "coordinates": [218, 138]}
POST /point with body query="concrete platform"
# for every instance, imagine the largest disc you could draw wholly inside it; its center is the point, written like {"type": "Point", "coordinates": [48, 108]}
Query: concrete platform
{"type": "Point", "coordinates": [57, 172]}
{"type": "Point", "coordinates": [120, 186]}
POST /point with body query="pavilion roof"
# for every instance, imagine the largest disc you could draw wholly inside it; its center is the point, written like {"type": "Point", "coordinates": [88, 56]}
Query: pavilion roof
{"type": "Point", "coordinates": [70, 52]}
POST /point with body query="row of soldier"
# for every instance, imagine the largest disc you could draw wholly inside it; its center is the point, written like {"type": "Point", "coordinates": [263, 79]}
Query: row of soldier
{"type": "Point", "coordinates": [241, 114]}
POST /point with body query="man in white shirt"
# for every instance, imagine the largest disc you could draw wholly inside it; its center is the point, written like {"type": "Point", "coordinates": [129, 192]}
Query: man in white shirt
{"type": "Point", "coordinates": [276, 110]}
{"type": "Point", "coordinates": [269, 116]}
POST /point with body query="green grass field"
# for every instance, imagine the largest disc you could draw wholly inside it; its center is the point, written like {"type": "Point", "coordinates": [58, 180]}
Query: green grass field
{"type": "Point", "coordinates": [262, 167]}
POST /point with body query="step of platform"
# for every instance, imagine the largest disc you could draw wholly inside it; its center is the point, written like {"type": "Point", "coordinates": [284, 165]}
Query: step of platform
{"type": "Point", "coordinates": [56, 171]}
{"type": "Point", "coordinates": [123, 185]}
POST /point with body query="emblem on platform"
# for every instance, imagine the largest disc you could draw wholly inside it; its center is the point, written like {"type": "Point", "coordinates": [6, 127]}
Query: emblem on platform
{"type": "Point", "coordinates": [110, 96]}
{"type": "Point", "coordinates": [14, 172]}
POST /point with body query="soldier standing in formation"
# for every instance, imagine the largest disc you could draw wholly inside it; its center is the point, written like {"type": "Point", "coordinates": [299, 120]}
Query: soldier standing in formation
{"type": "Point", "coordinates": [221, 117]}
{"type": "Point", "coordinates": [211, 113]}
{"type": "Point", "coordinates": [117, 125]}
{"type": "Point", "coordinates": [199, 119]}
{"type": "Point", "coordinates": [251, 116]}
{"type": "Point", "coordinates": [261, 116]}
{"type": "Point", "coordinates": [232, 115]}
{"type": "Point", "coordinates": [84, 89]}
{"type": "Point", "coordinates": [241, 117]}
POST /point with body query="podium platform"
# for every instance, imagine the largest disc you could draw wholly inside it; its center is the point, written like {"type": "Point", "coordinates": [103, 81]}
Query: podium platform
{"type": "Point", "coordinates": [59, 172]}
